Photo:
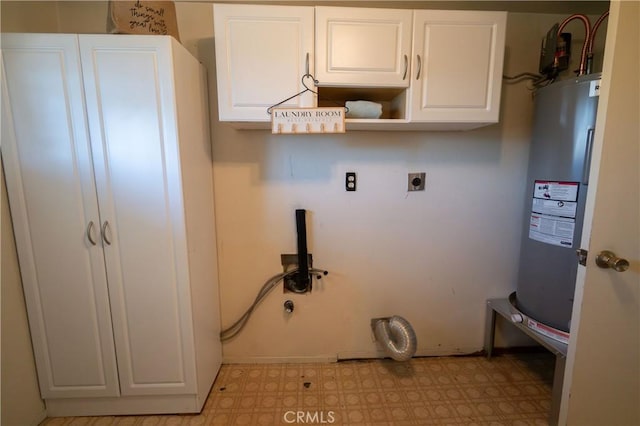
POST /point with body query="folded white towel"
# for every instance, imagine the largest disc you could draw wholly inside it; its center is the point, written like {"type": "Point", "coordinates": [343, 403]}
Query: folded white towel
{"type": "Point", "coordinates": [363, 109]}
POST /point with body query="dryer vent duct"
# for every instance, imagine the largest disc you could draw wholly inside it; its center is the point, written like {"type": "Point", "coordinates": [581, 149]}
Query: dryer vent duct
{"type": "Point", "coordinates": [396, 336]}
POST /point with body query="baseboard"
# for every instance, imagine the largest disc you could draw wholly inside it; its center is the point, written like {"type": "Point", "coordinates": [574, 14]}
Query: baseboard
{"type": "Point", "coordinates": [278, 360]}
{"type": "Point", "coordinates": [126, 405]}
{"type": "Point", "coordinates": [517, 350]}
{"type": "Point", "coordinates": [343, 356]}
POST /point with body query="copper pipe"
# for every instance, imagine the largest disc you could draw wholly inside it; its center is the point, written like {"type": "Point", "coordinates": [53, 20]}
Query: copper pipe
{"type": "Point", "coordinates": [594, 29]}
{"type": "Point", "coordinates": [587, 37]}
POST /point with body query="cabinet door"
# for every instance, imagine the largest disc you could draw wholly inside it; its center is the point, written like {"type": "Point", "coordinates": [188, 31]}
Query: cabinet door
{"type": "Point", "coordinates": [262, 54]}
{"type": "Point", "coordinates": [47, 159]}
{"type": "Point", "coordinates": [132, 120]}
{"type": "Point", "coordinates": [360, 47]}
{"type": "Point", "coordinates": [458, 58]}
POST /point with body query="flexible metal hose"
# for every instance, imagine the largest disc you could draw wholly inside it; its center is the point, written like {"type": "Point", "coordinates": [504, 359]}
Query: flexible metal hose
{"type": "Point", "coordinates": [587, 37]}
{"type": "Point", "coordinates": [397, 337]}
{"type": "Point", "coordinates": [594, 30]}
{"type": "Point", "coordinates": [235, 328]}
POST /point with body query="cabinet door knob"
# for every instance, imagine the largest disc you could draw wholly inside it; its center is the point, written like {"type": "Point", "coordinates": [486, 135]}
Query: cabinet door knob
{"type": "Point", "coordinates": [406, 67]}
{"type": "Point", "coordinates": [419, 67]}
{"type": "Point", "coordinates": [306, 64]}
{"type": "Point", "coordinates": [106, 239]}
{"type": "Point", "coordinates": [90, 237]}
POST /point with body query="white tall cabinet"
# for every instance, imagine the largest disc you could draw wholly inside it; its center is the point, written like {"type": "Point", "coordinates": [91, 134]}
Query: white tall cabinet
{"type": "Point", "coordinates": [106, 151]}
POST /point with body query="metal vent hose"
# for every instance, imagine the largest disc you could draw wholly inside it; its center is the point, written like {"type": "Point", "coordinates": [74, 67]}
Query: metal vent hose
{"type": "Point", "coordinates": [397, 337]}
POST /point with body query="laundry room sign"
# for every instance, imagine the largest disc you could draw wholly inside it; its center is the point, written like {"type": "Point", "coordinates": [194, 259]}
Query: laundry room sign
{"type": "Point", "coordinates": [307, 120]}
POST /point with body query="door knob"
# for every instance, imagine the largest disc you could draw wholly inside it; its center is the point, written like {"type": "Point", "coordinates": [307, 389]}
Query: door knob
{"type": "Point", "coordinates": [607, 259]}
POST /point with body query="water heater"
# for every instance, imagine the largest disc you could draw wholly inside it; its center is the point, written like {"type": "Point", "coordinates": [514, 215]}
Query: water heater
{"type": "Point", "coordinates": [557, 179]}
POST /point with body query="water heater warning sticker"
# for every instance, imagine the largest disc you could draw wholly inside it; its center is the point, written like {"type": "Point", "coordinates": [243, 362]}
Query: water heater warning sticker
{"type": "Point", "coordinates": [560, 191]}
{"type": "Point", "coordinates": [553, 212]}
{"type": "Point", "coordinates": [554, 230]}
{"type": "Point", "coordinates": [556, 208]}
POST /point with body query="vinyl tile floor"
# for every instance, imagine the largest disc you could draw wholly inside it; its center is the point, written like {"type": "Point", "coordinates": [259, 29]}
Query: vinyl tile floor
{"type": "Point", "coordinates": [510, 389]}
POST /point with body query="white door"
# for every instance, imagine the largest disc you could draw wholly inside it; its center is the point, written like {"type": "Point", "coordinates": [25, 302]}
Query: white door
{"type": "Point", "coordinates": [602, 379]}
{"type": "Point", "coordinates": [47, 160]}
{"type": "Point", "coordinates": [132, 119]}
{"type": "Point", "coordinates": [457, 65]}
{"type": "Point", "coordinates": [262, 54]}
{"type": "Point", "coordinates": [363, 47]}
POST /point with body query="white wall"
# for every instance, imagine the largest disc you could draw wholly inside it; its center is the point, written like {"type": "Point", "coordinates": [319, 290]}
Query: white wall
{"type": "Point", "coordinates": [21, 403]}
{"type": "Point", "coordinates": [29, 16]}
{"type": "Point", "coordinates": [433, 257]}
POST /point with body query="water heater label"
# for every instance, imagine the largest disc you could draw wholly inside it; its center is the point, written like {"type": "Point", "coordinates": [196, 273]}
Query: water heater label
{"type": "Point", "coordinates": [553, 212]}
{"type": "Point", "coordinates": [594, 88]}
{"type": "Point", "coordinates": [559, 191]}
{"type": "Point", "coordinates": [551, 332]}
{"type": "Point", "coordinates": [553, 207]}
{"type": "Point", "coordinates": [554, 230]}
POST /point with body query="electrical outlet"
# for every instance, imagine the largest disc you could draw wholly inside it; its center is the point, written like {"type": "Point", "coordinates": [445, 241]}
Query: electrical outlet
{"type": "Point", "coordinates": [416, 181]}
{"type": "Point", "coordinates": [350, 181]}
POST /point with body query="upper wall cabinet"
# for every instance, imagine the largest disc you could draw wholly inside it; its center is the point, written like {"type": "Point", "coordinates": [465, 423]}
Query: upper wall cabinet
{"type": "Point", "coordinates": [458, 58]}
{"type": "Point", "coordinates": [262, 52]}
{"type": "Point", "coordinates": [429, 69]}
{"type": "Point", "coordinates": [360, 47]}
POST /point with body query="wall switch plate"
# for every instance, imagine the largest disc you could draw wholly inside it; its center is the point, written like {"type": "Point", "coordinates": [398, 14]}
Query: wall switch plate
{"type": "Point", "coordinates": [416, 181]}
{"type": "Point", "coordinates": [350, 181]}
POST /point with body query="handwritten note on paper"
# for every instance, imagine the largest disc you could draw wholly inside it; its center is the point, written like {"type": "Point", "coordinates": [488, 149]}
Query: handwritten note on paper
{"type": "Point", "coordinates": [143, 17]}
